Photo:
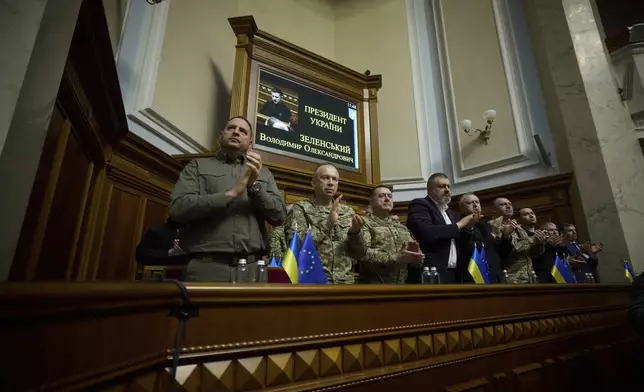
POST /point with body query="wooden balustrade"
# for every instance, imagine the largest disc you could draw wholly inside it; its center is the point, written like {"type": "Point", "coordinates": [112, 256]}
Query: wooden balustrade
{"type": "Point", "coordinates": [120, 337]}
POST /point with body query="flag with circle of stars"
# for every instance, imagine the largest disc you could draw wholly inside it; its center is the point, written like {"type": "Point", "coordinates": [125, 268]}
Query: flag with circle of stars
{"type": "Point", "coordinates": [309, 264]}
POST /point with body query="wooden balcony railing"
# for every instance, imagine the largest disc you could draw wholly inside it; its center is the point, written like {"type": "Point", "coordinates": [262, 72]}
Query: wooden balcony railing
{"type": "Point", "coordinates": [112, 336]}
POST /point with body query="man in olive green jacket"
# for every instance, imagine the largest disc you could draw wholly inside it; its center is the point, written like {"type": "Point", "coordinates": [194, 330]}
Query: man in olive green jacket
{"type": "Point", "coordinates": [225, 202]}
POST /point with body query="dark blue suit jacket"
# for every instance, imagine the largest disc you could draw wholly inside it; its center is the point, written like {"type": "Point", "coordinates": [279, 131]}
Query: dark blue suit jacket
{"type": "Point", "coordinates": [434, 236]}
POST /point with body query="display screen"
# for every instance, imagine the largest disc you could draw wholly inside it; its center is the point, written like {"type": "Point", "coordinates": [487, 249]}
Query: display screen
{"type": "Point", "coordinates": [302, 122]}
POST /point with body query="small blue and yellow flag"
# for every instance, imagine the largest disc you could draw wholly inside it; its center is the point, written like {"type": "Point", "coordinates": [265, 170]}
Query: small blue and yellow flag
{"type": "Point", "coordinates": [560, 271]}
{"type": "Point", "coordinates": [488, 277]}
{"type": "Point", "coordinates": [628, 271]}
{"type": "Point", "coordinates": [289, 262]}
{"type": "Point", "coordinates": [309, 263]}
{"type": "Point", "coordinates": [478, 268]}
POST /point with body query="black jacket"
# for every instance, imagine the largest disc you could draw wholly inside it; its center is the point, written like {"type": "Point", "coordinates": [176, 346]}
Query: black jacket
{"type": "Point", "coordinates": [434, 236]}
{"type": "Point", "coordinates": [480, 234]}
{"type": "Point", "coordinates": [155, 244]}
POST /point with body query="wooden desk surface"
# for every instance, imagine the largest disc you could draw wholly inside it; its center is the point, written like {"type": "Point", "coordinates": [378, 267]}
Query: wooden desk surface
{"type": "Point", "coordinates": [73, 336]}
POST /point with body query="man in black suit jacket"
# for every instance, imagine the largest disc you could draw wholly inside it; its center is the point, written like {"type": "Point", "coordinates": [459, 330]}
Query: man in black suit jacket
{"type": "Point", "coordinates": [549, 250]}
{"type": "Point", "coordinates": [436, 230]}
{"type": "Point", "coordinates": [478, 235]}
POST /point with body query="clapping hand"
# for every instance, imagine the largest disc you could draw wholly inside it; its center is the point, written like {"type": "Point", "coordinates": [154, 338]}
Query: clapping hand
{"type": "Point", "coordinates": [357, 222]}
{"type": "Point", "coordinates": [555, 240]}
{"type": "Point", "coordinates": [593, 248]}
{"type": "Point", "coordinates": [541, 236]}
{"type": "Point", "coordinates": [253, 165]}
{"type": "Point", "coordinates": [335, 212]}
{"type": "Point", "coordinates": [411, 254]}
{"type": "Point", "coordinates": [509, 227]}
{"type": "Point", "coordinates": [176, 249]}
{"type": "Point", "coordinates": [469, 221]}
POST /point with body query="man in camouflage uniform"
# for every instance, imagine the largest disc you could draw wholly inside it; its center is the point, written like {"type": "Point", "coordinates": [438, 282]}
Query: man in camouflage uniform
{"type": "Point", "coordinates": [382, 245]}
{"type": "Point", "coordinates": [277, 238]}
{"type": "Point", "coordinates": [516, 258]}
{"type": "Point", "coordinates": [329, 221]}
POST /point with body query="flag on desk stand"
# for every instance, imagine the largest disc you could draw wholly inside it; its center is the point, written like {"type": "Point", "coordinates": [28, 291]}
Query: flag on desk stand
{"type": "Point", "coordinates": [628, 271]}
{"type": "Point", "coordinates": [560, 271]}
{"type": "Point", "coordinates": [310, 265]}
{"type": "Point", "coordinates": [273, 263]}
{"type": "Point", "coordinates": [289, 262]}
{"type": "Point", "coordinates": [478, 267]}
{"type": "Point", "coordinates": [488, 276]}
{"type": "Point", "coordinates": [279, 262]}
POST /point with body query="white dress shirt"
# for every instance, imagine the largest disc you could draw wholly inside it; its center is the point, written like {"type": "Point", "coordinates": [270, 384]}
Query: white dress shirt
{"type": "Point", "coordinates": [451, 262]}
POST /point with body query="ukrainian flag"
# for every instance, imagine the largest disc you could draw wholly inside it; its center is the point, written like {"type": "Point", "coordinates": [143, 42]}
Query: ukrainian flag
{"type": "Point", "coordinates": [289, 262]}
{"type": "Point", "coordinates": [560, 271]}
{"type": "Point", "coordinates": [478, 268]}
{"type": "Point", "coordinates": [273, 262]}
{"type": "Point", "coordinates": [628, 271]}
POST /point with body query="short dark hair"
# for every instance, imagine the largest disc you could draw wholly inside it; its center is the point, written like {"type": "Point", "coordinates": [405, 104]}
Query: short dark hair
{"type": "Point", "coordinates": [250, 127]}
{"type": "Point", "coordinates": [565, 225]}
{"type": "Point", "coordinates": [433, 177]}
{"type": "Point", "coordinates": [375, 187]}
{"type": "Point", "coordinates": [277, 90]}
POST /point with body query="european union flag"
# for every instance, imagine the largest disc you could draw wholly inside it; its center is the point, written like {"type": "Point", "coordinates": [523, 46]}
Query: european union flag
{"type": "Point", "coordinates": [560, 271]}
{"type": "Point", "coordinates": [628, 271]}
{"type": "Point", "coordinates": [488, 276]}
{"type": "Point", "coordinates": [273, 263]}
{"type": "Point", "coordinates": [309, 264]}
{"type": "Point", "coordinates": [478, 268]}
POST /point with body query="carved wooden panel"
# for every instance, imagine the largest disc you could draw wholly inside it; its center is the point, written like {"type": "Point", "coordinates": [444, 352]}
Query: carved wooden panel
{"type": "Point", "coordinates": [97, 186]}
{"type": "Point", "coordinates": [314, 338]}
{"type": "Point", "coordinates": [528, 378]}
{"type": "Point", "coordinates": [478, 385]}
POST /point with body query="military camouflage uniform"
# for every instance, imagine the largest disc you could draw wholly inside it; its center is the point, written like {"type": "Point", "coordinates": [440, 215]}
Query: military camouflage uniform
{"type": "Point", "coordinates": [519, 263]}
{"type": "Point", "coordinates": [377, 248]}
{"type": "Point", "coordinates": [331, 243]}
{"type": "Point", "coordinates": [278, 243]}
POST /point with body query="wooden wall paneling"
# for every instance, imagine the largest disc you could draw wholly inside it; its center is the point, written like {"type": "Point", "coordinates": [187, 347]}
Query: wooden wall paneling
{"type": "Point", "coordinates": [478, 385]}
{"type": "Point", "coordinates": [117, 250]}
{"type": "Point", "coordinates": [27, 253]}
{"type": "Point", "coordinates": [98, 231]}
{"type": "Point", "coordinates": [528, 378]}
{"type": "Point", "coordinates": [54, 237]}
{"type": "Point", "coordinates": [375, 146]}
{"type": "Point", "coordinates": [66, 213]}
{"type": "Point", "coordinates": [501, 382]}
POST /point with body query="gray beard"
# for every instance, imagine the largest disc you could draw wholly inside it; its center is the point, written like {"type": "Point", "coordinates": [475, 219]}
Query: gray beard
{"type": "Point", "coordinates": [445, 200]}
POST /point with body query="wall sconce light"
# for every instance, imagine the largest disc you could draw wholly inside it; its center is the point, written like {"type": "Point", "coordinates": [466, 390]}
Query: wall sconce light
{"type": "Point", "coordinates": [485, 134]}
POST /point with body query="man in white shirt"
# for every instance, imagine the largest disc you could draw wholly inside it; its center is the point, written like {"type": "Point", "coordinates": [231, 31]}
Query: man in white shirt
{"type": "Point", "coordinates": [436, 230]}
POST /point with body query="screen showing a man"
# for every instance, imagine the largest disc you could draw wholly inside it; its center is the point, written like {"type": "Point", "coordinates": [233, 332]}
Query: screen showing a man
{"type": "Point", "coordinates": [304, 122]}
{"type": "Point", "coordinates": [279, 115]}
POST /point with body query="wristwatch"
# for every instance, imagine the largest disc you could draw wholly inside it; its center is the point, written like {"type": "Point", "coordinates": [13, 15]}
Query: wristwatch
{"type": "Point", "coordinates": [254, 188]}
